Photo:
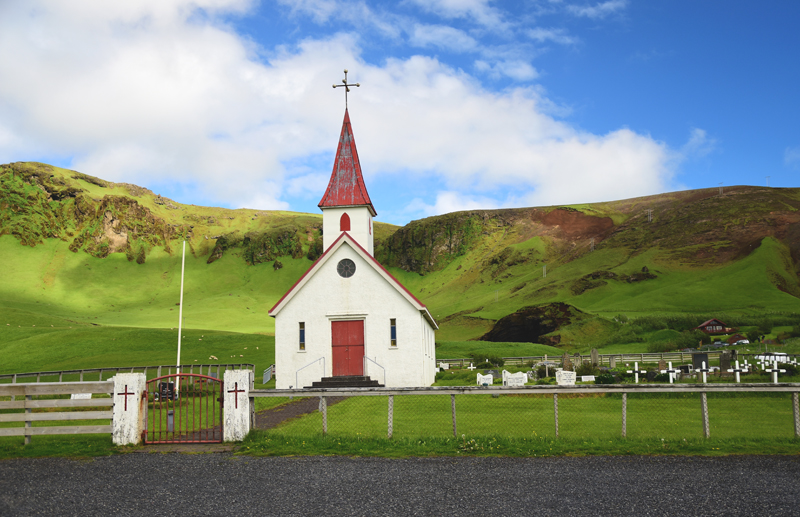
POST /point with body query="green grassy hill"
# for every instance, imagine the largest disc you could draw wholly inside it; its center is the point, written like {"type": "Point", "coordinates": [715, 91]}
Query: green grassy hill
{"type": "Point", "coordinates": [104, 259]}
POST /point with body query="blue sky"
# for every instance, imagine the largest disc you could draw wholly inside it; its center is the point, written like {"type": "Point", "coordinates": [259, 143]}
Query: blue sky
{"type": "Point", "coordinates": [463, 104]}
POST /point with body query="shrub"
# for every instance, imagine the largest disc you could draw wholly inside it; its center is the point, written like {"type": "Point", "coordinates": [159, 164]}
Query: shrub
{"type": "Point", "coordinates": [604, 378]}
{"type": "Point", "coordinates": [661, 377]}
{"type": "Point", "coordinates": [484, 365]}
{"type": "Point", "coordinates": [586, 369]}
{"type": "Point", "coordinates": [485, 358]}
{"type": "Point", "coordinates": [791, 369]}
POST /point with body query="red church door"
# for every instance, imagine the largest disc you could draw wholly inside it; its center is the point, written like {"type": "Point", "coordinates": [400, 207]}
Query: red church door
{"type": "Point", "coordinates": [348, 347]}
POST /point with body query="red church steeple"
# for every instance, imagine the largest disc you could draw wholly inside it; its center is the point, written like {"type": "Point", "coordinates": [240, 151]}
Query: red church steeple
{"type": "Point", "coordinates": [346, 187]}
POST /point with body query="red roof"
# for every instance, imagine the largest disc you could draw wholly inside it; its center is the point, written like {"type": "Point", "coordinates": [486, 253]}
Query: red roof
{"type": "Point", "coordinates": [346, 187]}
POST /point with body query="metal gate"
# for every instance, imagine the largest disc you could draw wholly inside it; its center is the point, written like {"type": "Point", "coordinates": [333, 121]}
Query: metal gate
{"type": "Point", "coordinates": [183, 408]}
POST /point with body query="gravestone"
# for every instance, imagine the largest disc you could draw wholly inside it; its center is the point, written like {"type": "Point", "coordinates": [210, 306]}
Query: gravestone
{"type": "Point", "coordinates": [493, 373]}
{"type": "Point", "coordinates": [444, 366]}
{"type": "Point", "coordinates": [651, 375]}
{"type": "Point", "coordinates": [577, 360]}
{"type": "Point", "coordinates": [485, 380]}
{"type": "Point", "coordinates": [662, 365]}
{"type": "Point", "coordinates": [698, 360]}
{"type": "Point", "coordinates": [685, 368]}
{"type": "Point", "coordinates": [595, 357]}
{"type": "Point", "coordinates": [587, 378]}
{"type": "Point", "coordinates": [612, 361]}
{"type": "Point", "coordinates": [531, 375]}
{"type": "Point", "coordinates": [725, 361]}
{"type": "Point", "coordinates": [516, 379]}
{"type": "Point", "coordinates": [565, 362]}
{"type": "Point", "coordinates": [565, 378]}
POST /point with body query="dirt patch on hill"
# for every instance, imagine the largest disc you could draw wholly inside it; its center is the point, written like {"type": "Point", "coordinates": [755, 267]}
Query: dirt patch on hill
{"type": "Point", "coordinates": [530, 324]}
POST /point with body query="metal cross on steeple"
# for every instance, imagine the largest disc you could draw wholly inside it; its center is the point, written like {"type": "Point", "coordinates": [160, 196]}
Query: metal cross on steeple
{"type": "Point", "coordinates": [346, 87]}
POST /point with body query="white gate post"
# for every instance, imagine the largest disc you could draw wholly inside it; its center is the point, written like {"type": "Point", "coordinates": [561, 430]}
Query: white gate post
{"type": "Point", "coordinates": [127, 422]}
{"type": "Point", "coordinates": [237, 404]}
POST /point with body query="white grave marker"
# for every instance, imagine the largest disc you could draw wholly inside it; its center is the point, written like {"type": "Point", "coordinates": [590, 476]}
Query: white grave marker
{"type": "Point", "coordinates": [671, 371]}
{"type": "Point", "coordinates": [565, 378]}
{"type": "Point", "coordinates": [587, 378]}
{"type": "Point", "coordinates": [444, 366]}
{"type": "Point", "coordinates": [775, 371]}
{"type": "Point", "coordinates": [704, 371]}
{"type": "Point", "coordinates": [737, 371]}
{"type": "Point", "coordinates": [470, 367]}
{"type": "Point", "coordinates": [516, 379]}
{"type": "Point", "coordinates": [636, 372]}
{"type": "Point", "coordinates": [485, 380]}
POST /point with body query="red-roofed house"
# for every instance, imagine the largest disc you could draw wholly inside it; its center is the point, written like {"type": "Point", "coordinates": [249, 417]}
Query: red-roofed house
{"type": "Point", "coordinates": [712, 326]}
{"type": "Point", "coordinates": [347, 317]}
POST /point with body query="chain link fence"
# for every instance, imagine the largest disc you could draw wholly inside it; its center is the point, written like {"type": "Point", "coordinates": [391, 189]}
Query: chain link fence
{"type": "Point", "coordinates": [761, 411]}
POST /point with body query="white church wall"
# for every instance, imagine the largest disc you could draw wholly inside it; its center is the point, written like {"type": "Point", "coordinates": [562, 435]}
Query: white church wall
{"type": "Point", "coordinates": [366, 295]}
{"type": "Point", "coordinates": [360, 226]}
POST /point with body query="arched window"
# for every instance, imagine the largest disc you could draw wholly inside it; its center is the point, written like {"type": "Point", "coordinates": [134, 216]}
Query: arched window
{"type": "Point", "coordinates": [344, 223]}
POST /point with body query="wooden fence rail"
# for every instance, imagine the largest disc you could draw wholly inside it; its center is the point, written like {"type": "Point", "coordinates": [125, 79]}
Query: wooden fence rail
{"type": "Point", "coordinates": [604, 359]}
{"type": "Point", "coordinates": [28, 404]}
{"type": "Point", "coordinates": [98, 373]}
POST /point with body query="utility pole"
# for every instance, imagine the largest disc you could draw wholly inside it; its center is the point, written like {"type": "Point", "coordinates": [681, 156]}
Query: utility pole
{"type": "Point", "coordinates": [544, 271]}
{"type": "Point", "coordinates": [767, 181]}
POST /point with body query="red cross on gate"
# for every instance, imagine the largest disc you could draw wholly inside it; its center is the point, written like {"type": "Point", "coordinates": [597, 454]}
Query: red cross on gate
{"type": "Point", "coordinates": [236, 392]}
{"type": "Point", "coordinates": [126, 393]}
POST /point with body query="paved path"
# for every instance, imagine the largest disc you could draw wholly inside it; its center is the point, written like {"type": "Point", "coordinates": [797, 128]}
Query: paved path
{"type": "Point", "coordinates": [223, 484]}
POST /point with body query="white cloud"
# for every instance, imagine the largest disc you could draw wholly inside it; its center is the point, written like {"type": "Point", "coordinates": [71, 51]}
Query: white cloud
{"type": "Point", "coordinates": [478, 11]}
{"type": "Point", "coordinates": [450, 201]}
{"type": "Point", "coordinates": [699, 144]}
{"type": "Point", "coordinates": [791, 157]}
{"type": "Point", "coordinates": [515, 69]}
{"type": "Point", "coordinates": [600, 10]}
{"type": "Point", "coordinates": [555, 35]}
{"type": "Point", "coordinates": [442, 36]}
{"type": "Point", "coordinates": [151, 93]}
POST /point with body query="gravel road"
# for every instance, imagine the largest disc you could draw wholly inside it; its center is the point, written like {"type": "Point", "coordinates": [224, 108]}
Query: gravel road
{"type": "Point", "coordinates": [223, 484]}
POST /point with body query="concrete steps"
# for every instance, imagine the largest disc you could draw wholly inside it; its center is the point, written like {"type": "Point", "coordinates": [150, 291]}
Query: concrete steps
{"type": "Point", "coordinates": [346, 381]}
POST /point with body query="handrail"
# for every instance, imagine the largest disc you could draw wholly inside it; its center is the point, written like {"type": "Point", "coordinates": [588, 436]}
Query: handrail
{"type": "Point", "coordinates": [296, 374]}
{"type": "Point", "coordinates": [376, 364]}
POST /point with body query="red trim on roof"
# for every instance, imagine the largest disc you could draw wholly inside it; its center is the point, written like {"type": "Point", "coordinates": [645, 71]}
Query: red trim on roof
{"type": "Point", "coordinates": [353, 241]}
{"type": "Point", "coordinates": [346, 187]}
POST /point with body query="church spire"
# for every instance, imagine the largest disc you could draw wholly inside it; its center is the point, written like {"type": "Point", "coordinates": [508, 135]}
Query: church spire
{"type": "Point", "coordinates": [346, 187]}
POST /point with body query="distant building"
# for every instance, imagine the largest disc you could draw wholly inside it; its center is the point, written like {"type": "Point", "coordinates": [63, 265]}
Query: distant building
{"type": "Point", "coordinates": [713, 326]}
{"type": "Point", "coordinates": [736, 337]}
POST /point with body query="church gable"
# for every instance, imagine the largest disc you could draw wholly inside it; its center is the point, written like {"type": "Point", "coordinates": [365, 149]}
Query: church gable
{"type": "Point", "coordinates": [343, 261]}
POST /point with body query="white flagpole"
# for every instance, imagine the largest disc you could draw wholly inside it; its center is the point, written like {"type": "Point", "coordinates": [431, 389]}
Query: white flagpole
{"type": "Point", "coordinates": [180, 308]}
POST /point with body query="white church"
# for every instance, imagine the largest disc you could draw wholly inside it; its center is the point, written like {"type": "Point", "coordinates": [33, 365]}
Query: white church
{"type": "Point", "coordinates": [347, 321]}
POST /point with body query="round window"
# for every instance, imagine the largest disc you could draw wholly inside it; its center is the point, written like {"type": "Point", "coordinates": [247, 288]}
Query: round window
{"type": "Point", "coordinates": [346, 268]}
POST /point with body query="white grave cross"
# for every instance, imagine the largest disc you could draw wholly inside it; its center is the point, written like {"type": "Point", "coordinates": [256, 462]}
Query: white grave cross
{"type": "Point", "coordinates": [737, 371]}
{"type": "Point", "coordinates": [704, 370]}
{"type": "Point", "coordinates": [671, 371]}
{"type": "Point", "coordinates": [774, 371]}
{"type": "Point", "coordinates": [470, 367]}
{"type": "Point", "coordinates": [636, 372]}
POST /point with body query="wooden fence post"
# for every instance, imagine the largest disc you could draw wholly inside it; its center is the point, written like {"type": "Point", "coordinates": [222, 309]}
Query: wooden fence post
{"type": "Point", "coordinates": [323, 404]}
{"type": "Point", "coordinates": [453, 405]}
{"type": "Point", "coordinates": [28, 422]}
{"type": "Point", "coordinates": [624, 415]}
{"type": "Point", "coordinates": [796, 409]}
{"type": "Point", "coordinates": [391, 414]}
{"type": "Point", "coordinates": [704, 400]}
{"type": "Point", "coordinates": [555, 410]}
